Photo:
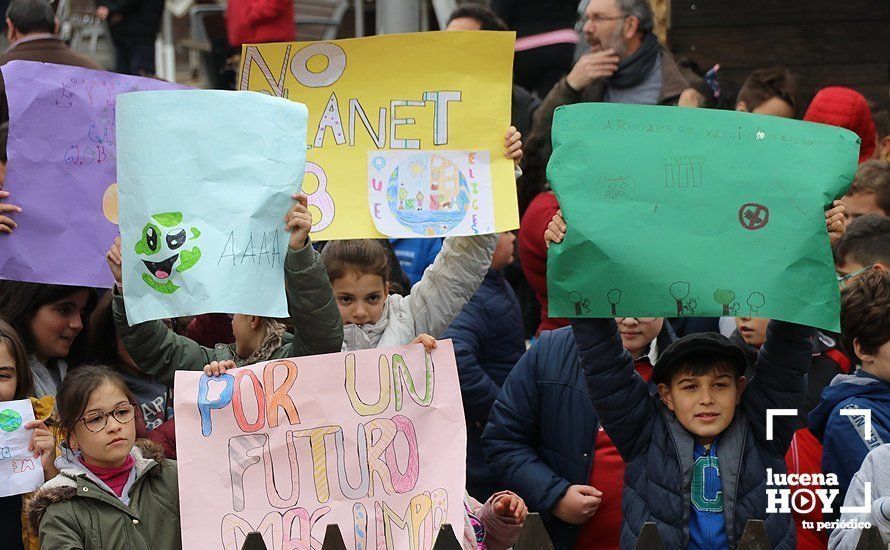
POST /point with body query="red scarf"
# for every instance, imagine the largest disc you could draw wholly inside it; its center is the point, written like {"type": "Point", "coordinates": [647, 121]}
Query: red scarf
{"type": "Point", "coordinates": [115, 478]}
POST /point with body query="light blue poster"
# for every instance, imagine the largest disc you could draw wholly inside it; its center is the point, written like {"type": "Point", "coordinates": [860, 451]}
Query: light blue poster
{"type": "Point", "coordinates": [205, 178]}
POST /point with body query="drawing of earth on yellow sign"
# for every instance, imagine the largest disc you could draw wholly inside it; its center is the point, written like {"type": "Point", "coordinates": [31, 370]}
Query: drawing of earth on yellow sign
{"type": "Point", "coordinates": [428, 194]}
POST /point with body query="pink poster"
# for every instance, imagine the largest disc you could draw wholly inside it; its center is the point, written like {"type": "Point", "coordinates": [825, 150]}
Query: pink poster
{"type": "Point", "coordinates": [374, 441]}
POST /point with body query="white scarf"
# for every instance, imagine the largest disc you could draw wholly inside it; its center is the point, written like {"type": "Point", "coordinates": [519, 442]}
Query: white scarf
{"type": "Point", "coordinates": [44, 383]}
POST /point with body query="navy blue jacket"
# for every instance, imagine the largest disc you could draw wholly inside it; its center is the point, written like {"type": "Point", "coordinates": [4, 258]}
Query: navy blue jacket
{"type": "Point", "coordinates": [542, 429]}
{"type": "Point", "coordinates": [843, 437]}
{"type": "Point", "coordinates": [659, 451]}
{"type": "Point", "coordinates": [488, 340]}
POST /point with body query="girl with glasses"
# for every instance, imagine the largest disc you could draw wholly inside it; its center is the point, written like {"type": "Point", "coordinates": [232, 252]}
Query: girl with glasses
{"type": "Point", "coordinates": [111, 492]}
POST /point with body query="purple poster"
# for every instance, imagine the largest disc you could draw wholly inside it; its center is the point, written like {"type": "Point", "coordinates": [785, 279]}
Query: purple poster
{"type": "Point", "coordinates": [62, 171]}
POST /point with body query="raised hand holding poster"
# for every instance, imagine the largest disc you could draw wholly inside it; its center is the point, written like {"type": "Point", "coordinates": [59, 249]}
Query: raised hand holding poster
{"type": "Point", "coordinates": [20, 472]}
{"type": "Point", "coordinates": [407, 145]}
{"type": "Point", "coordinates": [695, 212]}
{"type": "Point", "coordinates": [206, 178]}
{"type": "Point", "coordinates": [62, 154]}
{"type": "Point", "coordinates": [373, 441]}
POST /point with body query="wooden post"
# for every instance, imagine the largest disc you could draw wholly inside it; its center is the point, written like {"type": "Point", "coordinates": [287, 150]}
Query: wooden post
{"type": "Point", "coordinates": [333, 538]}
{"type": "Point", "coordinates": [447, 540]}
{"type": "Point", "coordinates": [649, 538]}
{"type": "Point", "coordinates": [754, 536]}
{"type": "Point", "coordinates": [254, 541]}
{"type": "Point", "coordinates": [533, 535]}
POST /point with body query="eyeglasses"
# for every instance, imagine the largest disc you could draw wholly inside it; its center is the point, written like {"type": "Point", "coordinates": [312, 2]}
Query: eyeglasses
{"type": "Point", "coordinates": [596, 19]}
{"type": "Point", "coordinates": [123, 414]}
{"type": "Point", "coordinates": [844, 280]}
{"type": "Point", "coordinates": [641, 320]}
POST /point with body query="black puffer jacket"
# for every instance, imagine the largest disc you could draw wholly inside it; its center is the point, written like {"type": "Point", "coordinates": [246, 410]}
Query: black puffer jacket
{"type": "Point", "coordinates": [542, 428]}
{"type": "Point", "coordinates": [488, 341]}
{"type": "Point", "coordinates": [659, 451]}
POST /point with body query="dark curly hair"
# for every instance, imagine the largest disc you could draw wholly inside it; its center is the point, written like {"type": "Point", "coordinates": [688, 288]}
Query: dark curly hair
{"type": "Point", "coordinates": [864, 307]}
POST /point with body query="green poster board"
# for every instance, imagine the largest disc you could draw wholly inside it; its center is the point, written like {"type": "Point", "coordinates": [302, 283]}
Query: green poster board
{"type": "Point", "coordinates": [695, 212]}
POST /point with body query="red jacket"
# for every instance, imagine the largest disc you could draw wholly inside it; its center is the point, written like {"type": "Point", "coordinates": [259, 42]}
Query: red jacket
{"type": "Point", "coordinates": [259, 21]}
{"type": "Point", "coordinates": [165, 436]}
{"type": "Point", "coordinates": [210, 329]}
{"type": "Point", "coordinates": [805, 454]}
{"type": "Point", "coordinates": [533, 253]}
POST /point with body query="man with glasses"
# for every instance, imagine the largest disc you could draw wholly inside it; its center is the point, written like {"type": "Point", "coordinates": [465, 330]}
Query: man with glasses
{"type": "Point", "coordinates": [626, 63]}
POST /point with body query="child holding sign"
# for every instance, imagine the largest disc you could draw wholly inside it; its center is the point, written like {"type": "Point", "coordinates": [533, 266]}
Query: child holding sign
{"type": "Point", "coordinates": [544, 439]}
{"type": "Point", "coordinates": [359, 272]}
{"type": "Point", "coordinates": [704, 430]}
{"type": "Point", "coordinates": [706, 420]}
{"type": "Point", "coordinates": [699, 451]}
{"type": "Point", "coordinates": [108, 490]}
{"type": "Point", "coordinates": [17, 383]}
{"type": "Point", "coordinates": [318, 329]}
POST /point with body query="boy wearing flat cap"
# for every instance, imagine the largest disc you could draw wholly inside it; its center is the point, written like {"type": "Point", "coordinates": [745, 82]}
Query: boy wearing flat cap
{"type": "Point", "coordinates": [697, 452]}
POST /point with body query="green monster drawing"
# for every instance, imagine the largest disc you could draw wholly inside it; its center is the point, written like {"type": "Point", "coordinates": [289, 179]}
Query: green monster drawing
{"type": "Point", "coordinates": [164, 249]}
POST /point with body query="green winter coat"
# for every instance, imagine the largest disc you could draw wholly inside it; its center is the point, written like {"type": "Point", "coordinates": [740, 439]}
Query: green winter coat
{"type": "Point", "coordinates": [160, 352]}
{"type": "Point", "coordinates": [71, 511]}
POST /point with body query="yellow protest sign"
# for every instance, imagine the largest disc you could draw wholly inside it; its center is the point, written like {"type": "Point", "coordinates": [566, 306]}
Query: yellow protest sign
{"type": "Point", "coordinates": [406, 132]}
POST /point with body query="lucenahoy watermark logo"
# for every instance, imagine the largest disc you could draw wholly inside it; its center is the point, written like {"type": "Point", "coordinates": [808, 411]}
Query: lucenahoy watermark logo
{"type": "Point", "coordinates": [803, 493]}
